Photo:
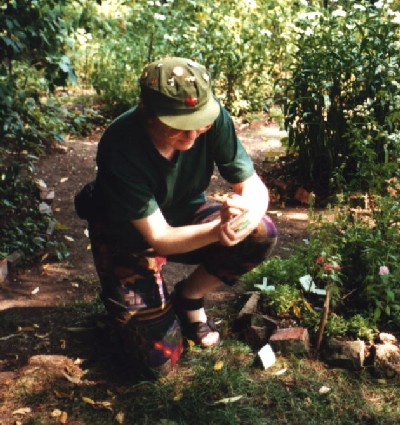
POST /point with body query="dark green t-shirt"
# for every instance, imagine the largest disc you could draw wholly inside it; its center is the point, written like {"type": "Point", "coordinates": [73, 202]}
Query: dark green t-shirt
{"type": "Point", "coordinates": [134, 179]}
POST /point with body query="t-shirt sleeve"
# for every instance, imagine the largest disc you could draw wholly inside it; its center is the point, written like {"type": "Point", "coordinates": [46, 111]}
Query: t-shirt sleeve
{"type": "Point", "coordinates": [233, 162]}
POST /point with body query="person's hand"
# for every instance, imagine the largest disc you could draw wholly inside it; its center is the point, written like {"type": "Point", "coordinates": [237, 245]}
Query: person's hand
{"type": "Point", "coordinates": [236, 222]}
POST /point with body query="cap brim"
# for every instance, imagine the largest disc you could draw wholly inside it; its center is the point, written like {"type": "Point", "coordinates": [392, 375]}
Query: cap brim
{"type": "Point", "coordinates": [193, 120]}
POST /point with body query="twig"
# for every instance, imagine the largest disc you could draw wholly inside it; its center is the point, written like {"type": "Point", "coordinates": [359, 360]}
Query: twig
{"type": "Point", "coordinates": [324, 317]}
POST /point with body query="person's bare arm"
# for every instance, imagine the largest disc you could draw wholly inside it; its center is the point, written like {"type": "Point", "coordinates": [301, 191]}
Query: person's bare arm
{"type": "Point", "coordinates": [250, 197]}
{"type": "Point", "coordinates": [167, 240]}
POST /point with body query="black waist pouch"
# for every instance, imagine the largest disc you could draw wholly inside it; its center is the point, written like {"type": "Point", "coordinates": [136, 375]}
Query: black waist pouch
{"type": "Point", "coordinates": [86, 202]}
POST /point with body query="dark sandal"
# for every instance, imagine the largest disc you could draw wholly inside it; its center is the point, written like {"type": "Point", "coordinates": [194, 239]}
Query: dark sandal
{"type": "Point", "coordinates": [193, 331]}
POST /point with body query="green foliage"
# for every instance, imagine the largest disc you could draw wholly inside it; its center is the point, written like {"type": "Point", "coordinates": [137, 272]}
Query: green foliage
{"type": "Point", "coordinates": [336, 326]}
{"type": "Point", "coordinates": [356, 326]}
{"type": "Point", "coordinates": [282, 301]}
{"type": "Point", "coordinates": [22, 226]}
{"type": "Point", "coordinates": [33, 61]}
{"type": "Point", "coordinates": [236, 42]}
{"type": "Point", "coordinates": [35, 33]}
{"type": "Point", "coordinates": [360, 327]}
{"type": "Point", "coordinates": [342, 96]}
{"type": "Point", "coordinates": [278, 271]}
{"type": "Point", "coordinates": [357, 252]}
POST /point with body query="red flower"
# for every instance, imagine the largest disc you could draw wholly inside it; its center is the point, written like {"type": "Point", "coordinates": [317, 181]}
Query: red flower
{"type": "Point", "coordinates": [329, 267]}
{"type": "Point", "coordinates": [320, 260]}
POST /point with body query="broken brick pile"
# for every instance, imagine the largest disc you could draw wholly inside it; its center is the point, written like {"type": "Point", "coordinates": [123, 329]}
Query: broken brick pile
{"type": "Point", "coordinates": [264, 334]}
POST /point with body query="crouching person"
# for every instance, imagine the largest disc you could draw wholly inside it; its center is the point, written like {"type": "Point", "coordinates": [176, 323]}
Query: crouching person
{"type": "Point", "coordinates": [148, 205]}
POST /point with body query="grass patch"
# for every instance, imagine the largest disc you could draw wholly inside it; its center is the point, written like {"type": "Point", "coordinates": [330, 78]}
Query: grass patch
{"type": "Point", "coordinates": [214, 386]}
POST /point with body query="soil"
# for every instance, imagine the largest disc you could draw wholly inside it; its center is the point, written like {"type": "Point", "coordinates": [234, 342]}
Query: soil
{"type": "Point", "coordinates": [43, 329]}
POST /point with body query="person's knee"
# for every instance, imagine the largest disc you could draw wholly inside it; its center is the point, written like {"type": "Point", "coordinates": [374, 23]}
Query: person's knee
{"type": "Point", "coordinates": [262, 240]}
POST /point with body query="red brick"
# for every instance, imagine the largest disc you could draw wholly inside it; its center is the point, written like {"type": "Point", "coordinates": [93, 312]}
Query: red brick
{"type": "Point", "coordinates": [290, 340]}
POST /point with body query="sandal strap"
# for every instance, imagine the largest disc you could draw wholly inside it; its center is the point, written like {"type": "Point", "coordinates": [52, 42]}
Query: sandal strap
{"type": "Point", "coordinates": [194, 331]}
{"type": "Point", "coordinates": [191, 304]}
{"type": "Point", "coordinates": [183, 303]}
{"type": "Point", "coordinates": [198, 330]}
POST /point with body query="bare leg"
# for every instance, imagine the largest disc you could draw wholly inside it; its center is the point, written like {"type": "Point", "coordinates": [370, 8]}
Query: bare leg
{"type": "Point", "coordinates": [198, 285]}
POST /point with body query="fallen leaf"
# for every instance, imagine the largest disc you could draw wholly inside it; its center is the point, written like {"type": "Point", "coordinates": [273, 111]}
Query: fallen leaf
{"type": "Point", "coordinates": [68, 238]}
{"type": "Point", "coordinates": [63, 179]}
{"type": "Point", "coordinates": [79, 329]}
{"type": "Point", "coordinates": [297, 311]}
{"type": "Point", "coordinates": [26, 329]}
{"type": "Point", "coordinates": [72, 379]}
{"type": "Point", "coordinates": [229, 400]}
{"type": "Point", "coordinates": [120, 417]}
{"type": "Point", "coordinates": [218, 365]}
{"type": "Point", "coordinates": [63, 418]}
{"type": "Point", "coordinates": [191, 343]}
{"type": "Point", "coordinates": [56, 413]}
{"type": "Point", "coordinates": [43, 336]}
{"type": "Point", "coordinates": [35, 291]}
{"type": "Point", "coordinates": [280, 372]}
{"type": "Point", "coordinates": [60, 226]}
{"type": "Point", "coordinates": [324, 390]}
{"type": "Point", "coordinates": [308, 401]}
{"type": "Point", "coordinates": [22, 411]}
{"type": "Point", "coordinates": [178, 396]}
{"type": "Point", "coordinates": [88, 400]}
{"type": "Point", "coordinates": [97, 404]}
{"type": "Point", "coordinates": [60, 394]}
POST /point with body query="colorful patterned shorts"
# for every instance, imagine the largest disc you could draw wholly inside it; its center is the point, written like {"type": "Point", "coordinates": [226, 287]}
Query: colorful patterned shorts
{"type": "Point", "coordinates": [135, 294]}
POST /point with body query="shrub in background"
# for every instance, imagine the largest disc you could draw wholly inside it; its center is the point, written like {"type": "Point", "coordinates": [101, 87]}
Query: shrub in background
{"type": "Point", "coordinates": [343, 92]}
{"type": "Point", "coordinates": [244, 44]}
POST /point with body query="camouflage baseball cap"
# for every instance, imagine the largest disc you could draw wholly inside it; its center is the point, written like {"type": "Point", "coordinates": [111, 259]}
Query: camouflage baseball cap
{"type": "Point", "coordinates": [178, 91]}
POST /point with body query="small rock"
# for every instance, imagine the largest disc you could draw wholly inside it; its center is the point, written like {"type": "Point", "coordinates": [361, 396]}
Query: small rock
{"type": "Point", "coordinates": [44, 208]}
{"type": "Point", "coordinates": [387, 338]}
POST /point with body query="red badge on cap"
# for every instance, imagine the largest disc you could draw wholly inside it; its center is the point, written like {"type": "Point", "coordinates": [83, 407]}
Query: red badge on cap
{"type": "Point", "coordinates": [191, 101]}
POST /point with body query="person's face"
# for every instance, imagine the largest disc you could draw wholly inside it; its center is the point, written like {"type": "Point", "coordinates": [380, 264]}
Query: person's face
{"type": "Point", "coordinates": [180, 140]}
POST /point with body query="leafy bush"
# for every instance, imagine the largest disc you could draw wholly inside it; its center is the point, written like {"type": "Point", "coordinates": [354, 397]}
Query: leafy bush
{"type": "Point", "coordinates": [357, 252]}
{"type": "Point", "coordinates": [282, 301]}
{"type": "Point", "coordinates": [22, 226]}
{"type": "Point", "coordinates": [277, 270]}
{"type": "Point", "coordinates": [342, 96]}
{"type": "Point", "coordinates": [241, 44]}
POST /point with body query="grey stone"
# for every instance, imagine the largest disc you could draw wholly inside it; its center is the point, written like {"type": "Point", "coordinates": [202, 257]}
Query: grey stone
{"type": "Point", "coordinates": [386, 361]}
{"type": "Point", "coordinates": [346, 354]}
